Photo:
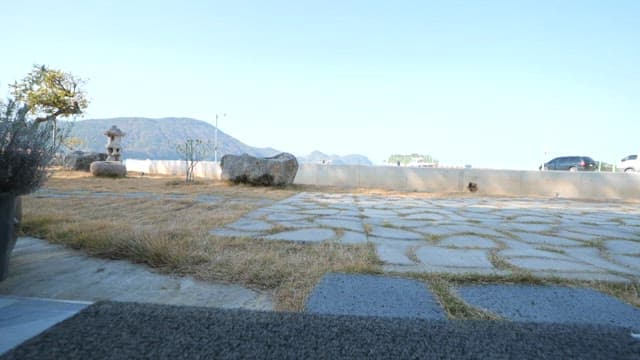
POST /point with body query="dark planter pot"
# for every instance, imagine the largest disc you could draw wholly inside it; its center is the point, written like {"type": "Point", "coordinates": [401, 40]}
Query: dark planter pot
{"type": "Point", "coordinates": [10, 216]}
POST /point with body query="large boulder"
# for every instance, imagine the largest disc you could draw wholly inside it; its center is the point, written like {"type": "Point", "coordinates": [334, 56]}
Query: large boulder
{"type": "Point", "coordinates": [80, 160]}
{"type": "Point", "coordinates": [277, 170]}
{"type": "Point", "coordinates": [108, 169]}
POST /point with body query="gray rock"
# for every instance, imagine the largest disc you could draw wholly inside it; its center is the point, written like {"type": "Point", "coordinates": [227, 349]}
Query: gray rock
{"type": "Point", "coordinates": [80, 160]}
{"type": "Point", "coordinates": [277, 170]}
{"type": "Point", "coordinates": [108, 169]}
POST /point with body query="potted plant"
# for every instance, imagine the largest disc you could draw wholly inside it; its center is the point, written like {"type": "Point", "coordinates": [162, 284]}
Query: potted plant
{"type": "Point", "coordinates": [26, 148]}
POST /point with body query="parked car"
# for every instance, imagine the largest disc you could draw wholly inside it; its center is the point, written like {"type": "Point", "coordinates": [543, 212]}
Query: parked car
{"type": "Point", "coordinates": [629, 164]}
{"type": "Point", "coordinates": [571, 163]}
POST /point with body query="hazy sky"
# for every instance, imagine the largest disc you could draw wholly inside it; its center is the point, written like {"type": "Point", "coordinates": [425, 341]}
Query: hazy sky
{"type": "Point", "coordinates": [487, 83]}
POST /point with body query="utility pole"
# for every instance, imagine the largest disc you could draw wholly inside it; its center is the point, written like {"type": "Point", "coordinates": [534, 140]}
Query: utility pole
{"type": "Point", "coordinates": [215, 141]}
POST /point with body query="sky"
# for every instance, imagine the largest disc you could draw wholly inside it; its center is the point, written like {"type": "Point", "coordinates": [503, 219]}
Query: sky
{"type": "Point", "coordinates": [493, 84]}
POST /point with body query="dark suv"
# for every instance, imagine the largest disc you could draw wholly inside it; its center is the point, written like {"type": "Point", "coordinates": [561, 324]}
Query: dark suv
{"type": "Point", "coordinates": [571, 163]}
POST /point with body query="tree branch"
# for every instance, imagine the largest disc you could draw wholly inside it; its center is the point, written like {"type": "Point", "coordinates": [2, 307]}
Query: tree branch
{"type": "Point", "coordinates": [49, 117]}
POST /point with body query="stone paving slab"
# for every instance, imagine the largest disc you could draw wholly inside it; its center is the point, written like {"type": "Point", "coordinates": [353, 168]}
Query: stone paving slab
{"type": "Point", "coordinates": [623, 247]}
{"type": "Point", "coordinates": [23, 318]}
{"type": "Point", "coordinates": [533, 253]}
{"type": "Point", "coordinates": [348, 224]}
{"type": "Point", "coordinates": [304, 235]}
{"type": "Point", "coordinates": [394, 252]}
{"type": "Point", "coordinates": [594, 257]}
{"type": "Point", "coordinates": [443, 257]}
{"type": "Point", "coordinates": [576, 275]}
{"type": "Point", "coordinates": [535, 263]}
{"type": "Point", "coordinates": [352, 237]}
{"type": "Point", "coordinates": [552, 304]}
{"type": "Point", "coordinates": [391, 233]}
{"type": "Point", "coordinates": [539, 239]}
{"type": "Point", "coordinates": [632, 262]}
{"type": "Point", "coordinates": [470, 241]}
{"type": "Point", "coordinates": [368, 295]}
{"type": "Point", "coordinates": [537, 235]}
{"type": "Point", "coordinates": [250, 225]}
{"type": "Point", "coordinates": [43, 270]}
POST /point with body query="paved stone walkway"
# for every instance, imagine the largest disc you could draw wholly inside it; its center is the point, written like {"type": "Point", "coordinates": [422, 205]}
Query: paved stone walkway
{"type": "Point", "coordinates": [385, 296]}
{"type": "Point", "coordinates": [43, 270]}
{"type": "Point", "coordinates": [545, 237]}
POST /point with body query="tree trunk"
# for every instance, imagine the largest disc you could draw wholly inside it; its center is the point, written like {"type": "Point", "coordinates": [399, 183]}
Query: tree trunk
{"type": "Point", "coordinates": [10, 214]}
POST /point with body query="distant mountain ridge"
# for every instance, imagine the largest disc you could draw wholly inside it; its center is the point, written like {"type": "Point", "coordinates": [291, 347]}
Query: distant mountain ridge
{"type": "Point", "coordinates": [156, 139]}
{"type": "Point", "coordinates": [318, 157]}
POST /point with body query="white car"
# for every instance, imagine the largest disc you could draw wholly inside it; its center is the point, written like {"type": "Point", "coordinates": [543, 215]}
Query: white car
{"type": "Point", "coordinates": [629, 164]}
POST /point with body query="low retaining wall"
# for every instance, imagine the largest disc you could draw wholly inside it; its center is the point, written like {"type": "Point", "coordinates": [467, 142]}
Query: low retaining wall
{"type": "Point", "coordinates": [578, 185]}
{"type": "Point", "coordinates": [581, 185]}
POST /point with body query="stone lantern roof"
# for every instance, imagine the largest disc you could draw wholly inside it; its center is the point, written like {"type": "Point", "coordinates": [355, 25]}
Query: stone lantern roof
{"type": "Point", "coordinates": [114, 131]}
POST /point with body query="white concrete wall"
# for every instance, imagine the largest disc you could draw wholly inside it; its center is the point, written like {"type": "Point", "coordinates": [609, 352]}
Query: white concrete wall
{"type": "Point", "coordinates": [203, 169]}
{"type": "Point", "coordinates": [583, 185]}
{"type": "Point", "coordinates": [580, 185]}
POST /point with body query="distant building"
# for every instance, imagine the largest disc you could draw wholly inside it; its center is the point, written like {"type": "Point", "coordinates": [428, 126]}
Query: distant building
{"type": "Point", "coordinates": [419, 162]}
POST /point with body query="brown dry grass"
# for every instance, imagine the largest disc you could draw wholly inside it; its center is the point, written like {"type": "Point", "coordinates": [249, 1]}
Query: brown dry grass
{"type": "Point", "coordinates": [172, 235]}
{"type": "Point", "coordinates": [78, 180]}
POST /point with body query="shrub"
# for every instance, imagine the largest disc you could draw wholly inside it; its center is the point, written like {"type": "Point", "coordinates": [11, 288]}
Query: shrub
{"type": "Point", "coordinates": [26, 148]}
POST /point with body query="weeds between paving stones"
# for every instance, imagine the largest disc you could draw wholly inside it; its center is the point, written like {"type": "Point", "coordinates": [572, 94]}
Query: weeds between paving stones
{"type": "Point", "coordinates": [453, 306]}
{"type": "Point", "coordinates": [551, 249]}
{"type": "Point", "coordinates": [411, 253]}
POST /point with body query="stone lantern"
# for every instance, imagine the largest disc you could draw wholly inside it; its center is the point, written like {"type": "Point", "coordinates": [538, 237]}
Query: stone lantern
{"type": "Point", "coordinates": [113, 166]}
{"type": "Point", "coordinates": [114, 147]}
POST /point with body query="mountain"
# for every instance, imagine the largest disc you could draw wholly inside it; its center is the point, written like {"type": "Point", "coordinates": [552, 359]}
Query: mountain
{"type": "Point", "coordinates": [318, 157]}
{"type": "Point", "coordinates": [156, 139]}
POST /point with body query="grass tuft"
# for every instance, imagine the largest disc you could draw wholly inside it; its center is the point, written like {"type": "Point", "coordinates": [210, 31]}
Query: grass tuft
{"type": "Point", "coordinates": [454, 307]}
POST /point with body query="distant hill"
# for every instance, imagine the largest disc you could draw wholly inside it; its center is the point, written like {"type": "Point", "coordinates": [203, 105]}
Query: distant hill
{"type": "Point", "coordinates": [155, 139]}
{"type": "Point", "coordinates": [318, 157]}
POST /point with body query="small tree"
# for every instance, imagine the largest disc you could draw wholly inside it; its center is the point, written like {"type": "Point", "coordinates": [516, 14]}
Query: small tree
{"type": "Point", "coordinates": [50, 93]}
{"type": "Point", "coordinates": [192, 152]}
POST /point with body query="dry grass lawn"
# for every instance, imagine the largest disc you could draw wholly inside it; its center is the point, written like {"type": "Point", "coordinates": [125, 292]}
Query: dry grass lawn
{"type": "Point", "coordinates": [172, 235]}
